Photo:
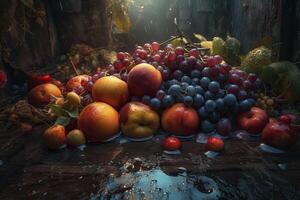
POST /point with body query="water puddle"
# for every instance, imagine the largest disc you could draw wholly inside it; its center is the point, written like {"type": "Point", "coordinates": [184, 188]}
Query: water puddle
{"type": "Point", "coordinates": [244, 135]}
{"type": "Point", "coordinates": [270, 149]}
{"type": "Point", "coordinates": [211, 154]}
{"type": "Point", "coordinates": [156, 184]}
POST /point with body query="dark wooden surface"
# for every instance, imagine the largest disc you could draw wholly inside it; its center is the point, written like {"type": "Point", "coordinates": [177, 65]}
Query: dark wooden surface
{"type": "Point", "coordinates": [30, 171]}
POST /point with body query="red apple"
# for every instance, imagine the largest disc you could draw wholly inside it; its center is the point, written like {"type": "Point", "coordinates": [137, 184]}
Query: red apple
{"type": "Point", "coordinates": [253, 121]}
{"type": "Point", "coordinates": [214, 144]}
{"type": "Point", "coordinates": [279, 134]}
{"type": "Point", "coordinates": [172, 144]}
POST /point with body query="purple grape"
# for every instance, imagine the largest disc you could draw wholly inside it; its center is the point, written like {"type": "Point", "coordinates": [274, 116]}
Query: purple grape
{"type": "Point", "coordinates": [214, 87]}
{"type": "Point", "coordinates": [224, 126]}
{"type": "Point", "coordinates": [146, 100]}
{"type": "Point", "coordinates": [206, 72]}
{"type": "Point", "coordinates": [155, 103]}
{"type": "Point", "coordinates": [190, 90]}
{"type": "Point", "coordinates": [188, 100]}
{"type": "Point", "coordinates": [198, 100]}
{"type": "Point", "coordinates": [160, 94]}
{"type": "Point", "coordinates": [177, 74]}
{"type": "Point", "coordinates": [168, 100]}
{"type": "Point", "coordinates": [195, 74]}
{"type": "Point", "coordinates": [204, 82]}
{"type": "Point", "coordinates": [210, 105]}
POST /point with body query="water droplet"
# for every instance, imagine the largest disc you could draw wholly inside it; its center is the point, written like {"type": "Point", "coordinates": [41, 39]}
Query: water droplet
{"type": "Point", "coordinates": [81, 147]}
{"type": "Point", "coordinates": [270, 149]}
{"type": "Point", "coordinates": [211, 154]}
{"type": "Point", "coordinates": [176, 152]}
{"type": "Point", "coordinates": [80, 177]}
{"type": "Point", "coordinates": [202, 138]}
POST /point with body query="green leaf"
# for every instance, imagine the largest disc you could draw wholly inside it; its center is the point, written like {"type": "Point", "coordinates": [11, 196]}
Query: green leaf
{"type": "Point", "coordinates": [62, 120]}
{"type": "Point", "coordinates": [56, 109]}
{"type": "Point", "coordinates": [74, 113]}
{"type": "Point", "coordinates": [200, 37]}
{"type": "Point", "coordinates": [179, 42]}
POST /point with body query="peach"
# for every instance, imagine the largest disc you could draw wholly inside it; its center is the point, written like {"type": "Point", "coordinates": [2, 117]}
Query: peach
{"type": "Point", "coordinates": [55, 136]}
{"type": "Point", "coordinates": [75, 138]}
{"type": "Point", "coordinates": [110, 90]}
{"type": "Point", "coordinates": [138, 120]}
{"type": "Point", "coordinates": [41, 94]}
{"type": "Point", "coordinates": [180, 120]}
{"type": "Point", "coordinates": [144, 79]}
{"type": "Point", "coordinates": [75, 82]}
{"type": "Point", "coordinates": [98, 121]}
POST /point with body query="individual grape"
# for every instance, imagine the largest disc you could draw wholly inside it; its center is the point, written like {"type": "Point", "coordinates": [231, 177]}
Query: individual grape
{"type": "Point", "coordinates": [155, 46]}
{"type": "Point", "coordinates": [89, 86]}
{"type": "Point", "coordinates": [195, 81]}
{"type": "Point", "coordinates": [213, 71]}
{"type": "Point", "coordinates": [207, 126]}
{"type": "Point", "coordinates": [224, 68]}
{"type": "Point", "coordinates": [171, 57]}
{"type": "Point", "coordinates": [146, 100]}
{"type": "Point", "coordinates": [126, 62]}
{"type": "Point", "coordinates": [160, 94]}
{"type": "Point", "coordinates": [195, 74]}
{"type": "Point", "coordinates": [165, 74]}
{"type": "Point", "coordinates": [121, 56]}
{"type": "Point", "coordinates": [177, 74]}
{"type": "Point", "coordinates": [221, 78]}
{"type": "Point", "coordinates": [208, 95]}
{"type": "Point", "coordinates": [214, 87]}
{"type": "Point", "coordinates": [179, 51]}
{"type": "Point", "coordinates": [257, 84]}
{"type": "Point", "coordinates": [252, 101]}
{"type": "Point", "coordinates": [233, 89]}
{"type": "Point", "coordinates": [198, 100]}
{"type": "Point", "coordinates": [234, 79]}
{"type": "Point", "coordinates": [156, 58]}
{"type": "Point", "coordinates": [188, 100]}
{"type": "Point", "coordinates": [174, 90]}
{"type": "Point", "coordinates": [143, 54]}
{"type": "Point", "coordinates": [86, 99]}
{"type": "Point", "coordinates": [214, 117]}
{"type": "Point", "coordinates": [184, 66]}
{"type": "Point", "coordinates": [155, 103]}
{"type": "Point", "coordinates": [194, 52]}
{"type": "Point", "coordinates": [147, 46]}
{"type": "Point", "coordinates": [204, 82]}
{"type": "Point", "coordinates": [245, 105]}
{"type": "Point", "coordinates": [230, 100]}
{"type": "Point", "coordinates": [203, 114]}
{"type": "Point", "coordinates": [220, 104]}
{"type": "Point", "coordinates": [247, 85]}
{"type": "Point", "coordinates": [169, 48]}
{"type": "Point", "coordinates": [79, 90]}
{"type": "Point", "coordinates": [199, 65]}
{"type": "Point", "coordinates": [242, 95]}
{"type": "Point", "coordinates": [95, 77]}
{"type": "Point", "coordinates": [206, 72]}
{"type": "Point", "coordinates": [210, 106]}
{"type": "Point", "coordinates": [124, 77]}
{"type": "Point", "coordinates": [190, 90]}
{"type": "Point", "coordinates": [217, 59]}
{"type": "Point", "coordinates": [199, 90]}
{"type": "Point", "coordinates": [180, 58]}
{"type": "Point", "coordinates": [160, 68]}
{"type": "Point", "coordinates": [118, 65]}
{"type": "Point", "coordinates": [210, 61]}
{"type": "Point", "coordinates": [252, 77]}
{"type": "Point", "coordinates": [221, 93]}
{"type": "Point", "coordinates": [168, 100]}
{"type": "Point", "coordinates": [184, 85]}
{"type": "Point", "coordinates": [192, 60]}
{"type": "Point", "coordinates": [224, 126]}
{"type": "Point", "coordinates": [186, 79]}
{"type": "Point", "coordinates": [175, 82]}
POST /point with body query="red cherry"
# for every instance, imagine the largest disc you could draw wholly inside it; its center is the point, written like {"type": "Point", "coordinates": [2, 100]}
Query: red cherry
{"type": "Point", "coordinates": [172, 144]}
{"type": "Point", "coordinates": [121, 56]}
{"type": "Point", "coordinates": [155, 46]}
{"type": "Point", "coordinates": [214, 144]}
{"type": "Point", "coordinates": [285, 119]}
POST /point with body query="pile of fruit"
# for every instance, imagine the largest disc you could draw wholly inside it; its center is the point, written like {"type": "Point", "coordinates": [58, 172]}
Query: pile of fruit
{"type": "Point", "coordinates": [175, 89]}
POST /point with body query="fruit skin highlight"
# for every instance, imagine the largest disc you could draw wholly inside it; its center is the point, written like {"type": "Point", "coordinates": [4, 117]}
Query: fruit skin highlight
{"type": "Point", "coordinates": [214, 144]}
{"type": "Point", "coordinates": [111, 90]}
{"type": "Point", "coordinates": [172, 144]}
{"type": "Point", "coordinates": [144, 79]}
{"type": "Point", "coordinates": [180, 120]}
{"type": "Point", "coordinates": [98, 121]}
{"type": "Point", "coordinates": [75, 82]}
{"type": "Point", "coordinates": [55, 136]}
{"type": "Point", "coordinates": [138, 120]}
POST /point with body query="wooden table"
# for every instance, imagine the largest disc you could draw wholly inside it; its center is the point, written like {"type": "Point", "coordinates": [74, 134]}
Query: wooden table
{"type": "Point", "coordinates": [28, 170]}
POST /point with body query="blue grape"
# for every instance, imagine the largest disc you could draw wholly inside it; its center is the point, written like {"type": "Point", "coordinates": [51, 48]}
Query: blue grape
{"type": "Point", "coordinates": [188, 100]}
{"type": "Point", "coordinates": [204, 82]}
{"type": "Point", "coordinates": [214, 117]}
{"type": "Point", "coordinates": [221, 94]}
{"type": "Point", "coordinates": [174, 82]}
{"type": "Point", "coordinates": [177, 74]}
{"type": "Point", "coordinates": [155, 103]}
{"type": "Point", "coordinates": [195, 81]}
{"type": "Point", "coordinates": [210, 105]}
{"type": "Point", "coordinates": [195, 74]}
{"type": "Point", "coordinates": [242, 95]}
{"type": "Point", "coordinates": [208, 95]}
{"type": "Point", "coordinates": [221, 78]}
{"type": "Point", "coordinates": [146, 100]}
{"type": "Point", "coordinates": [190, 90]}
{"type": "Point", "coordinates": [168, 100]}
{"type": "Point", "coordinates": [230, 100]}
{"type": "Point", "coordinates": [252, 101]}
{"type": "Point", "coordinates": [184, 85]}
{"type": "Point", "coordinates": [206, 72]}
{"type": "Point", "coordinates": [174, 90]}
{"type": "Point", "coordinates": [207, 126]}
{"type": "Point", "coordinates": [245, 105]}
{"type": "Point", "coordinates": [186, 79]}
{"type": "Point", "coordinates": [198, 100]}
{"type": "Point", "coordinates": [220, 104]}
{"type": "Point", "coordinates": [160, 94]}
{"type": "Point", "coordinates": [199, 90]}
{"type": "Point", "coordinates": [202, 113]}
{"type": "Point", "coordinates": [214, 86]}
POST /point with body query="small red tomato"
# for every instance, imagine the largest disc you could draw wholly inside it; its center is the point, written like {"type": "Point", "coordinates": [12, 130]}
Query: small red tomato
{"type": "Point", "coordinates": [214, 144]}
{"type": "Point", "coordinates": [285, 119]}
{"type": "Point", "coordinates": [172, 144]}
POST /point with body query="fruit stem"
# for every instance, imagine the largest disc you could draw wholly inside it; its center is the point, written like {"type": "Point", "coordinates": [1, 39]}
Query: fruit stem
{"type": "Point", "coordinates": [74, 67]}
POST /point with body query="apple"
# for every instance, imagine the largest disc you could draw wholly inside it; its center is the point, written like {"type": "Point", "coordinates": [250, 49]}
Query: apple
{"type": "Point", "coordinates": [279, 134]}
{"type": "Point", "coordinates": [75, 138]}
{"type": "Point", "coordinates": [75, 82]}
{"type": "Point", "coordinates": [110, 90]}
{"type": "Point", "coordinates": [253, 121]}
{"type": "Point", "coordinates": [55, 136]}
{"type": "Point", "coordinates": [138, 120]}
{"type": "Point", "coordinates": [144, 79]}
{"type": "Point", "coordinates": [172, 144]}
{"type": "Point", "coordinates": [98, 121]}
{"type": "Point", "coordinates": [180, 120]}
{"type": "Point", "coordinates": [214, 144]}
{"type": "Point", "coordinates": [41, 94]}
